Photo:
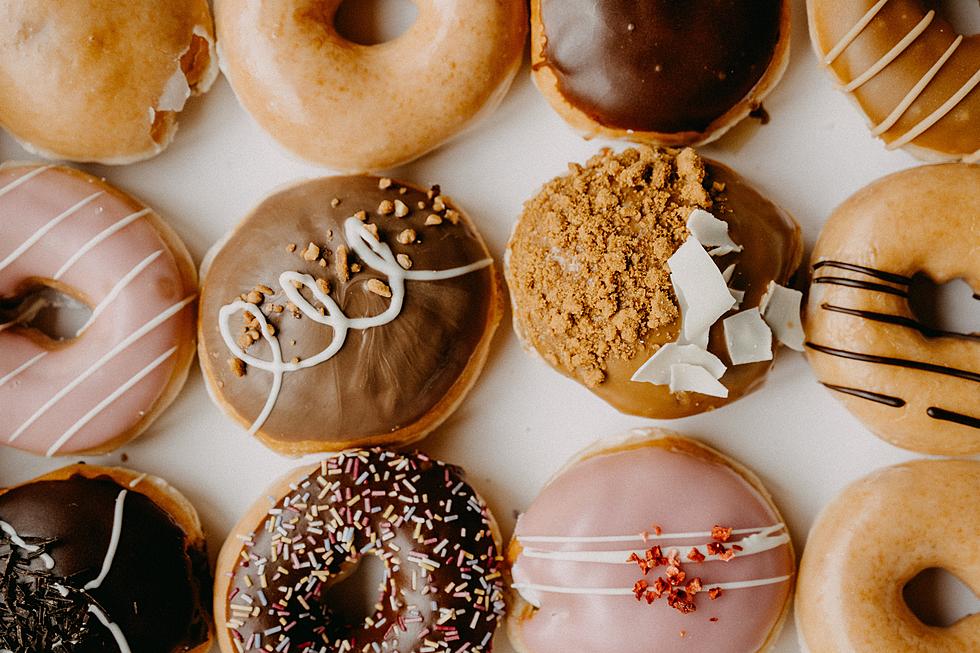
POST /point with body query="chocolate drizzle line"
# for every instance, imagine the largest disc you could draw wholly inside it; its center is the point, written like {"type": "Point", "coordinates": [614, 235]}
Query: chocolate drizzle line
{"type": "Point", "coordinates": [863, 285]}
{"type": "Point", "coordinates": [899, 320]}
{"type": "Point", "coordinates": [871, 272]}
{"type": "Point", "coordinates": [950, 416]}
{"type": "Point", "coordinates": [895, 402]}
{"type": "Point", "coordinates": [898, 362]}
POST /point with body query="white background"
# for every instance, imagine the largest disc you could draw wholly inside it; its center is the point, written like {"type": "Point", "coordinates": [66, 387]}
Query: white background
{"type": "Point", "coordinates": [523, 420]}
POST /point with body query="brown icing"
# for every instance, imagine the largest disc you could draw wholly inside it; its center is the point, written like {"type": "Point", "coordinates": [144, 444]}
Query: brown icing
{"type": "Point", "coordinates": [658, 65]}
{"type": "Point", "coordinates": [383, 378]}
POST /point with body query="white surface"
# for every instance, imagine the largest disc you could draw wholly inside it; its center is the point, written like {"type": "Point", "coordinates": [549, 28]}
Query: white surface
{"type": "Point", "coordinates": [523, 420]}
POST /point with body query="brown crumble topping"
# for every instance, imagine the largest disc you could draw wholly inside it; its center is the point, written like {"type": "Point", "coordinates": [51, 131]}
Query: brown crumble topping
{"type": "Point", "coordinates": [379, 287]}
{"type": "Point", "coordinates": [323, 286]}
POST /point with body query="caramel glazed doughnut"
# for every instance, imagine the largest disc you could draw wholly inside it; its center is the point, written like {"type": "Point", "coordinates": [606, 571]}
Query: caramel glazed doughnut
{"type": "Point", "coordinates": [100, 560]}
{"type": "Point", "coordinates": [598, 265]}
{"type": "Point", "coordinates": [443, 588]}
{"type": "Point", "coordinates": [358, 108]}
{"type": "Point", "coordinates": [63, 230]}
{"type": "Point", "coordinates": [875, 537]}
{"type": "Point", "coordinates": [650, 542]}
{"type": "Point", "coordinates": [347, 311]}
{"type": "Point", "coordinates": [655, 71]}
{"type": "Point", "coordinates": [96, 80]}
{"type": "Point", "coordinates": [913, 76]}
{"type": "Point", "coordinates": [913, 385]}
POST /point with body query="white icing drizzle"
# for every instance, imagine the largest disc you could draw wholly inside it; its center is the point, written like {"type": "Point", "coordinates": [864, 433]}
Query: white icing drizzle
{"type": "Point", "coordinates": [117, 520]}
{"type": "Point", "coordinates": [105, 403]}
{"type": "Point", "coordinates": [116, 631]}
{"type": "Point", "coordinates": [638, 537]}
{"type": "Point", "coordinates": [17, 370]}
{"type": "Point", "coordinates": [18, 541]}
{"type": "Point", "coordinates": [372, 253]}
{"type": "Point", "coordinates": [765, 540]}
{"type": "Point", "coordinates": [95, 367]}
{"type": "Point", "coordinates": [938, 114]}
{"type": "Point", "coordinates": [61, 589]}
{"type": "Point", "coordinates": [23, 179]}
{"type": "Point", "coordinates": [40, 233]}
{"type": "Point", "coordinates": [853, 33]}
{"type": "Point", "coordinates": [136, 481]}
{"type": "Point", "coordinates": [98, 238]}
{"type": "Point", "coordinates": [628, 591]}
{"type": "Point", "coordinates": [118, 288]}
{"type": "Point", "coordinates": [892, 54]}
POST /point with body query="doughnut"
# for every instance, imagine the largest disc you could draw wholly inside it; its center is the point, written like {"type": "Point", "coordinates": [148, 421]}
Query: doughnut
{"type": "Point", "coordinates": [443, 587]}
{"type": "Point", "coordinates": [66, 231]}
{"type": "Point", "coordinates": [358, 108]}
{"type": "Point", "coordinates": [592, 291]}
{"type": "Point", "coordinates": [102, 559]}
{"type": "Point", "coordinates": [347, 311]}
{"type": "Point", "coordinates": [102, 81]}
{"type": "Point", "coordinates": [912, 385]}
{"type": "Point", "coordinates": [650, 541]}
{"type": "Point", "coordinates": [875, 537]}
{"type": "Point", "coordinates": [657, 71]}
{"type": "Point", "coordinates": [914, 78]}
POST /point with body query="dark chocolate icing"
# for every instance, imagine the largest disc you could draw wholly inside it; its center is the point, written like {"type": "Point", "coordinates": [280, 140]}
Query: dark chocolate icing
{"type": "Point", "coordinates": [658, 65]}
{"type": "Point", "coordinates": [383, 378]}
{"type": "Point", "coordinates": [443, 587]}
{"type": "Point", "coordinates": [156, 590]}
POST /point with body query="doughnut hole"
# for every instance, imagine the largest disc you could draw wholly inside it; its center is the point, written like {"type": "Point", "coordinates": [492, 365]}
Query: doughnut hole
{"type": "Point", "coordinates": [938, 598]}
{"type": "Point", "coordinates": [943, 309]}
{"type": "Point", "coordinates": [50, 312]}
{"type": "Point", "coordinates": [356, 594]}
{"type": "Point", "coordinates": [372, 22]}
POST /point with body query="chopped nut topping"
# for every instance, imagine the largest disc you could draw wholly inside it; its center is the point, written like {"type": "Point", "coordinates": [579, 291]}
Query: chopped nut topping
{"type": "Point", "coordinates": [379, 287]}
{"type": "Point", "coordinates": [237, 366]}
{"type": "Point", "coordinates": [372, 228]}
{"type": "Point", "coordinates": [432, 192]}
{"type": "Point", "coordinates": [361, 215]}
{"type": "Point", "coordinates": [384, 183]}
{"type": "Point", "coordinates": [340, 263]}
{"type": "Point", "coordinates": [291, 247]}
{"type": "Point", "coordinates": [401, 209]}
{"type": "Point", "coordinates": [438, 204]}
{"type": "Point", "coordinates": [277, 308]}
{"type": "Point", "coordinates": [323, 286]}
{"type": "Point", "coordinates": [296, 284]}
{"type": "Point", "coordinates": [407, 236]}
{"type": "Point", "coordinates": [253, 334]}
{"type": "Point", "coordinates": [335, 202]}
{"type": "Point", "coordinates": [355, 267]}
{"type": "Point", "coordinates": [265, 290]}
{"type": "Point", "coordinates": [254, 297]}
{"type": "Point", "coordinates": [386, 207]}
{"type": "Point", "coordinates": [322, 262]}
{"type": "Point", "coordinates": [270, 329]}
{"type": "Point", "coordinates": [433, 219]}
{"type": "Point", "coordinates": [402, 190]}
{"type": "Point", "coordinates": [404, 261]}
{"type": "Point", "coordinates": [452, 216]}
{"type": "Point", "coordinates": [295, 360]}
{"type": "Point", "coordinates": [311, 253]}
{"type": "Point", "coordinates": [421, 205]}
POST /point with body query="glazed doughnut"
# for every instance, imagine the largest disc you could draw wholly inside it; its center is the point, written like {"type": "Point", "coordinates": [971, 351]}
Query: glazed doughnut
{"type": "Point", "coordinates": [346, 311]}
{"type": "Point", "coordinates": [102, 81]}
{"type": "Point", "coordinates": [914, 386]}
{"type": "Point", "coordinates": [443, 588]}
{"type": "Point", "coordinates": [359, 108]}
{"type": "Point", "coordinates": [654, 71]}
{"type": "Point", "coordinates": [100, 559]}
{"type": "Point", "coordinates": [913, 76]}
{"type": "Point", "coordinates": [875, 537]}
{"type": "Point", "coordinates": [650, 541]}
{"type": "Point", "coordinates": [65, 230]}
{"type": "Point", "coordinates": [588, 271]}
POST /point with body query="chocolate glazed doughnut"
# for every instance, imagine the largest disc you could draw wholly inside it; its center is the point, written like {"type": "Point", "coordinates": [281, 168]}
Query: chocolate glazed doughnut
{"type": "Point", "coordinates": [347, 311]}
{"type": "Point", "coordinates": [99, 560]}
{"type": "Point", "coordinates": [670, 73]}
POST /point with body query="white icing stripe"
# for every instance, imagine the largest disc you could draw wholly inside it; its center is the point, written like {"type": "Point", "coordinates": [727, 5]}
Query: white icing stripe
{"type": "Point", "coordinates": [40, 233]}
{"type": "Point", "coordinates": [103, 235]}
{"type": "Point", "coordinates": [938, 114]}
{"type": "Point", "coordinates": [853, 33]}
{"type": "Point", "coordinates": [751, 545]}
{"type": "Point", "coordinates": [118, 288]}
{"type": "Point", "coordinates": [115, 351]}
{"type": "Point", "coordinates": [105, 403]}
{"type": "Point", "coordinates": [110, 554]}
{"type": "Point", "coordinates": [116, 631]}
{"type": "Point", "coordinates": [136, 481]}
{"type": "Point", "coordinates": [23, 179]}
{"type": "Point", "coordinates": [892, 54]}
{"type": "Point", "coordinates": [17, 541]}
{"type": "Point", "coordinates": [916, 90]}
{"type": "Point", "coordinates": [15, 372]}
{"type": "Point", "coordinates": [626, 591]}
{"type": "Point", "coordinates": [639, 537]}
{"type": "Point", "coordinates": [372, 253]}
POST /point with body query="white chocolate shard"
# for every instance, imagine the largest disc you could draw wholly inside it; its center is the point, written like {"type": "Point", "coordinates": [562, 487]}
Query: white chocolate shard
{"type": "Point", "coordinates": [780, 308]}
{"type": "Point", "coordinates": [711, 232]}
{"type": "Point", "coordinates": [700, 288]}
{"type": "Point", "coordinates": [657, 369]}
{"type": "Point", "coordinates": [694, 378]}
{"type": "Point", "coordinates": [748, 337]}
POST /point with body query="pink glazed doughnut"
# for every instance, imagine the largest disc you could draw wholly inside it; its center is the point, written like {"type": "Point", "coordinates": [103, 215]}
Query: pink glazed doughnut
{"type": "Point", "coordinates": [65, 230]}
{"type": "Point", "coordinates": [650, 542]}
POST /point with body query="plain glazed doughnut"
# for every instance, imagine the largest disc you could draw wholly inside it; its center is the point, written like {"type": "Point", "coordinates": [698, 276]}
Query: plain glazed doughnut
{"type": "Point", "coordinates": [875, 537]}
{"type": "Point", "coordinates": [96, 80]}
{"type": "Point", "coordinates": [587, 267]}
{"type": "Point", "coordinates": [916, 80]}
{"type": "Point", "coordinates": [650, 541]}
{"type": "Point", "coordinates": [66, 230]}
{"type": "Point", "coordinates": [347, 311]}
{"type": "Point", "coordinates": [102, 560]}
{"type": "Point", "coordinates": [657, 71]}
{"type": "Point", "coordinates": [912, 385]}
{"type": "Point", "coordinates": [358, 108]}
{"type": "Point", "coordinates": [443, 587]}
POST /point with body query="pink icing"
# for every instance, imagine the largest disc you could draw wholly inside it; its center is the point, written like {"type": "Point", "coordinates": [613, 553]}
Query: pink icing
{"type": "Point", "coordinates": [627, 492]}
{"type": "Point", "coordinates": [24, 211]}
